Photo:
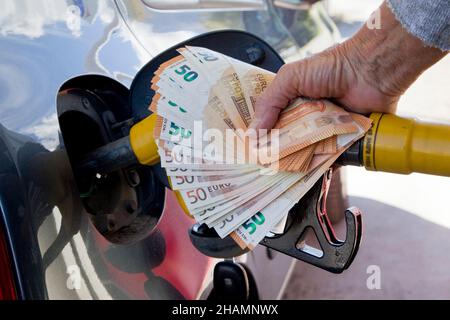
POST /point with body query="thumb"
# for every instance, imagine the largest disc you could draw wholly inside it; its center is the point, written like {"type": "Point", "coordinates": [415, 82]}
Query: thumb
{"type": "Point", "coordinates": [275, 98]}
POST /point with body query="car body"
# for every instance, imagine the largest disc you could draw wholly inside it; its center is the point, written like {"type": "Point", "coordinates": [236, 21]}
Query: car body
{"type": "Point", "coordinates": [54, 250]}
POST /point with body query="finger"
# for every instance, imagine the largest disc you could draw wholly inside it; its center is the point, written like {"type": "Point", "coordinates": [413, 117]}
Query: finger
{"type": "Point", "coordinates": [275, 98]}
{"type": "Point", "coordinates": [266, 120]}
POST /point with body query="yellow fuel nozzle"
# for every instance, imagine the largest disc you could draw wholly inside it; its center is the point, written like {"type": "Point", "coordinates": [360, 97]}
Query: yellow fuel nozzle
{"type": "Point", "coordinates": [142, 142]}
{"type": "Point", "coordinates": [401, 145]}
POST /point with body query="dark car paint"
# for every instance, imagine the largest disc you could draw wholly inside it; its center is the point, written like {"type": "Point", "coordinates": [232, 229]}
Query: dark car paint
{"type": "Point", "coordinates": [39, 201]}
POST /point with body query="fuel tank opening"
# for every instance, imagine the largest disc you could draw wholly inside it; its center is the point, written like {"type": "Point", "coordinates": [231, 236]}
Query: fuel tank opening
{"type": "Point", "coordinates": [124, 203]}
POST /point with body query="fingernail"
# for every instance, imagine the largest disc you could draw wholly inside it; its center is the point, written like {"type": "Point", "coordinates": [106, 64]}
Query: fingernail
{"type": "Point", "coordinates": [252, 129]}
{"type": "Point", "coordinates": [254, 124]}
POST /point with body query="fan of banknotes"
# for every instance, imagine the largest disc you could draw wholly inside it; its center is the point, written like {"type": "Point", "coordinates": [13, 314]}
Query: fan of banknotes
{"type": "Point", "coordinates": [240, 182]}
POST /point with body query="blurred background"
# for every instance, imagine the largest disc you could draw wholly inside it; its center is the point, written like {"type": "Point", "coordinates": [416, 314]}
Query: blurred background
{"type": "Point", "coordinates": [406, 237]}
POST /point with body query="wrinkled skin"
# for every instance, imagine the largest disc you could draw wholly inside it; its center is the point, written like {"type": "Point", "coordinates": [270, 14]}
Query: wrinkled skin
{"type": "Point", "coordinates": [367, 73]}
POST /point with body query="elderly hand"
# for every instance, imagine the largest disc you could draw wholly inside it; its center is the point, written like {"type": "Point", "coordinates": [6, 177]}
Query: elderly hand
{"type": "Point", "coordinates": [367, 73]}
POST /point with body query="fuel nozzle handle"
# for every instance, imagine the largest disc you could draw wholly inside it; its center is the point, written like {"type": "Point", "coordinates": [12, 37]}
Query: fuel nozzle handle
{"type": "Point", "coordinates": [402, 145]}
{"type": "Point", "coordinates": [393, 144]}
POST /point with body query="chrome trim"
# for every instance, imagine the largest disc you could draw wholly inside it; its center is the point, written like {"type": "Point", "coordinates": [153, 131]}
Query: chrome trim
{"type": "Point", "coordinates": [300, 5]}
{"type": "Point", "coordinates": [204, 5]}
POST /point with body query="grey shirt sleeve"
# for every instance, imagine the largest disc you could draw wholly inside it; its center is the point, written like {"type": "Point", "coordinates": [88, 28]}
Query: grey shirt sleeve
{"type": "Point", "coordinates": [429, 20]}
